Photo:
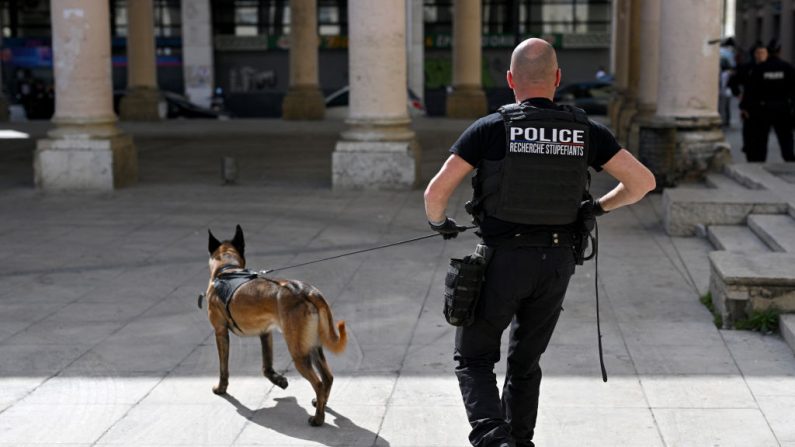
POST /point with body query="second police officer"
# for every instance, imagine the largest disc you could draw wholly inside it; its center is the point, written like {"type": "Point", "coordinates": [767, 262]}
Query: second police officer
{"type": "Point", "coordinates": [532, 159]}
{"type": "Point", "coordinates": [768, 100]}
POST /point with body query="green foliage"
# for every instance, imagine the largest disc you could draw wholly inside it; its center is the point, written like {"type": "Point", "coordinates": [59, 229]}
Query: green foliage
{"type": "Point", "coordinates": [764, 321]}
{"type": "Point", "coordinates": [706, 300]}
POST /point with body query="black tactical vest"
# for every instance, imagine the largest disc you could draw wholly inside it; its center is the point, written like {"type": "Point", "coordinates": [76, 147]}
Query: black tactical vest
{"type": "Point", "coordinates": [544, 174]}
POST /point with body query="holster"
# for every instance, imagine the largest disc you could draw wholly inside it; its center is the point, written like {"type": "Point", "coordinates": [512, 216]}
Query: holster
{"type": "Point", "coordinates": [463, 284]}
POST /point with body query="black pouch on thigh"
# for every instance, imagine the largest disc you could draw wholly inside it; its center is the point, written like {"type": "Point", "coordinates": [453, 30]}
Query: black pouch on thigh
{"type": "Point", "coordinates": [462, 286]}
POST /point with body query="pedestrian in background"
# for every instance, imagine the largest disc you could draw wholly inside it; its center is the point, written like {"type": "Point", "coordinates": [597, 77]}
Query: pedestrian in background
{"type": "Point", "coordinates": [767, 101]}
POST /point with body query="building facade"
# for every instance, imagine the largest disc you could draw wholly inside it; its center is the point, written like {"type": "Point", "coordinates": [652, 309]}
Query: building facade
{"type": "Point", "coordinates": [764, 20]}
{"type": "Point", "coordinates": [250, 47]}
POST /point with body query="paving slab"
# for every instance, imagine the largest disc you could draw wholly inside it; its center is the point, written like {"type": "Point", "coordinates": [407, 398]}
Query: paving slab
{"type": "Point", "coordinates": [724, 427]}
{"type": "Point", "coordinates": [121, 273]}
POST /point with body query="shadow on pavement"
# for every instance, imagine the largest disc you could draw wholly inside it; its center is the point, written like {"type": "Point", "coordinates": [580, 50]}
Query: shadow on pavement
{"type": "Point", "coordinates": [290, 419]}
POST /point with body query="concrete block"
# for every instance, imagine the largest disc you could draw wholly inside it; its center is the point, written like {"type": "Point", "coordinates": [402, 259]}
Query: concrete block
{"type": "Point", "coordinates": [85, 164]}
{"type": "Point", "coordinates": [735, 238]}
{"type": "Point", "coordinates": [140, 104]}
{"type": "Point", "coordinates": [741, 283]}
{"type": "Point", "coordinates": [686, 208]}
{"type": "Point", "coordinates": [466, 103]}
{"type": "Point", "coordinates": [303, 103]}
{"type": "Point", "coordinates": [764, 269]}
{"type": "Point", "coordinates": [786, 324]}
{"type": "Point", "coordinates": [374, 165]}
{"type": "Point", "coordinates": [778, 232]}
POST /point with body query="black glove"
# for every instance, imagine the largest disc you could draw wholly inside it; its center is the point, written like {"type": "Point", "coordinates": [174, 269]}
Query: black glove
{"type": "Point", "coordinates": [591, 208]}
{"type": "Point", "coordinates": [448, 229]}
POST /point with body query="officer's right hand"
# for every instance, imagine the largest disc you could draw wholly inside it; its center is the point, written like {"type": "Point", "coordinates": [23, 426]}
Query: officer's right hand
{"type": "Point", "coordinates": [448, 229]}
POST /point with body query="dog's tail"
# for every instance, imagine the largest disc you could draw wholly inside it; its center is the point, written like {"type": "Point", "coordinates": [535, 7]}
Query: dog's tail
{"type": "Point", "coordinates": [328, 336]}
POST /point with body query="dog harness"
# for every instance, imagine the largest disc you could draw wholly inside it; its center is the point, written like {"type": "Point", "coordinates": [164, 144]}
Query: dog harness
{"type": "Point", "coordinates": [227, 282]}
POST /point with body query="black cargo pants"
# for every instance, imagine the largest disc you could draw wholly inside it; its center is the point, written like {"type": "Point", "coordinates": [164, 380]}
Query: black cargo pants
{"type": "Point", "coordinates": [526, 286]}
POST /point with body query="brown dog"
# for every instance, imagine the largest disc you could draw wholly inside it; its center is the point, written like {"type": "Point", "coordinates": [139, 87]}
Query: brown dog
{"type": "Point", "coordinates": [251, 305]}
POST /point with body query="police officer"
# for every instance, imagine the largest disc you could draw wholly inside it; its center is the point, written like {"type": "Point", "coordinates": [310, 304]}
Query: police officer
{"type": "Point", "coordinates": [768, 101]}
{"type": "Point", "coordinates": [531, 161]}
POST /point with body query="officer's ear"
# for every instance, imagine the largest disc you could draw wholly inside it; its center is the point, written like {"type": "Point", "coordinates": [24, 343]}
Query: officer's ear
{"type": "Point", "coordinates": [558, 77]}
{"type": "Point", "coordinates": [509, 78]}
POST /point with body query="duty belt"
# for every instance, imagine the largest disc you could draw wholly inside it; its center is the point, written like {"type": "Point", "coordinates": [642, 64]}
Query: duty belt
{"type": "Point", "coordinates": [533, 239]}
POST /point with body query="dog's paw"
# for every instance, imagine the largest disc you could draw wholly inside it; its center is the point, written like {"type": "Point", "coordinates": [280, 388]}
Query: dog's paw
{"type": "Point", "coordinates": [315, 421]}
{"type": "Point", "coordinates": [280, 381]}
{"type": "Point", "coordinates": [277, 379]}
{"type": "Point", "coordinates": [219, 390]}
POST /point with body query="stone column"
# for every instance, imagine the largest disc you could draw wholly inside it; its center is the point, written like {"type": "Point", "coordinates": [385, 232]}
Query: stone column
{"type": "Point", "coordinates": [304, 100]}
{"type": "Point", "coordinates": [767, 22]}
{"type": "Point", "coordinates": [786, 36]}
{"type": "Point", "coordinates": [467, 99]}
{"type": "Point", "coordinates": [688, 140]}
{"type": "Point", "coordinates": [197, 51]}
{"type": "Point", "coordinates": [739, 26]}
{"type": "Point", "coordinates": [142, 98]}
{"type": "Point", "coordinates": [86, 150]}
{"type": "Point", "coordinates": [379, 149]}
{"type": "Point", "coordinates": [416, 46]}
{"type": "Point", "coordinates": [649, 62]}
{"type": "Point", "coordinates": [630, 107]}
{"type": "Point", "coordinates": [620, 52]}
{"type": "Point", "coordinates": [751, 27]}
{"type": "Point", "coordinates": [4, 113]}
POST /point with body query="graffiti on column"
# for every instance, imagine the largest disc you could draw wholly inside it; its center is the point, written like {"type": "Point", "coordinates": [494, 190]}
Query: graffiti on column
{"type": "Point", "coordinates": [198, 76]}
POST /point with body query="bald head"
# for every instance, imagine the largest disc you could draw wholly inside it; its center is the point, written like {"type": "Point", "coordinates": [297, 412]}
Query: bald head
{"type": "Point", "coordinates": [534, 62]}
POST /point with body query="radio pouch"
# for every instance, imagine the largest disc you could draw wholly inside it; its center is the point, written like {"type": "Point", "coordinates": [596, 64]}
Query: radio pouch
{"type": "Point", "coordinates": [462, 286]}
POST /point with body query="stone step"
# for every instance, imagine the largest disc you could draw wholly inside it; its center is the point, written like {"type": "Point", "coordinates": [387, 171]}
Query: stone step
{"type": "Point", "coordinates": [786, 325]}
{"type": "Point", "coordinates": [738, 238]}
{"type": "Point", "coordinates": [720, 181]}
{"type": "Point", "coordinates": [743, 282]}
{"type": "Point", "coordinates": [687, 208]}
{"type": "Point", "coordinates": [778, 232]}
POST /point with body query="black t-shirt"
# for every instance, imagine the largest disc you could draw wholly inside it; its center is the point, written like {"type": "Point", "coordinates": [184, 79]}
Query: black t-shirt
{"type": "Point", "coordinates": [485, 139]}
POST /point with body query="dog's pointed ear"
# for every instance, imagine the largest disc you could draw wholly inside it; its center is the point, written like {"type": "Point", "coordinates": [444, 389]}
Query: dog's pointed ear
{"type": "Point", "coordinates": [238, 242]}
{"type": "Point", "coordinates": [213, 243]}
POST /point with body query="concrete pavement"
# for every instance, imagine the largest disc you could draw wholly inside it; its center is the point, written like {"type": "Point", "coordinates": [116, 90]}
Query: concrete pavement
{"type": "Point", "coordinates": [101, 342]}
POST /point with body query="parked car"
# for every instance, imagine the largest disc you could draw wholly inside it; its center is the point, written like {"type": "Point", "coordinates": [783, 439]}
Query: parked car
{"type": "Point", "coordinates": [174, 105]}
{"type": "Point", "coordinates": [593, 96]}
{"type": "Point", "coordinates": [337, 103]}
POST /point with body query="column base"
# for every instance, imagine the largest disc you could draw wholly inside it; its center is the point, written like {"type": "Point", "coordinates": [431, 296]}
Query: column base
{"type": "Point", "coordinates": [466, 102]}
{"type": "Point", "coordinates": [614, 110]}
{"type": "Point", "coordinates": [304, 103]}
{"type": "Point", "coordinates": [5, 115]}
{"type": "Point", "coordinates": [140, 104]}
{"type": "Point", "coordinates": [625, 117]}
{"type": "Point", "coordinates": [682, 148]}
{"type": "Point", "coordinates": [376, 155]}
{"type": "Point", "coordinates": [84, 163]}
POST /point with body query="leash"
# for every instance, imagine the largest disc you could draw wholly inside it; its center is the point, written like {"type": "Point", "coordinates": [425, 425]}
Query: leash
{"type": "Point", "coordinates": [265, 272]}
{"type": "Point", "coordinates": [596, 289]}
